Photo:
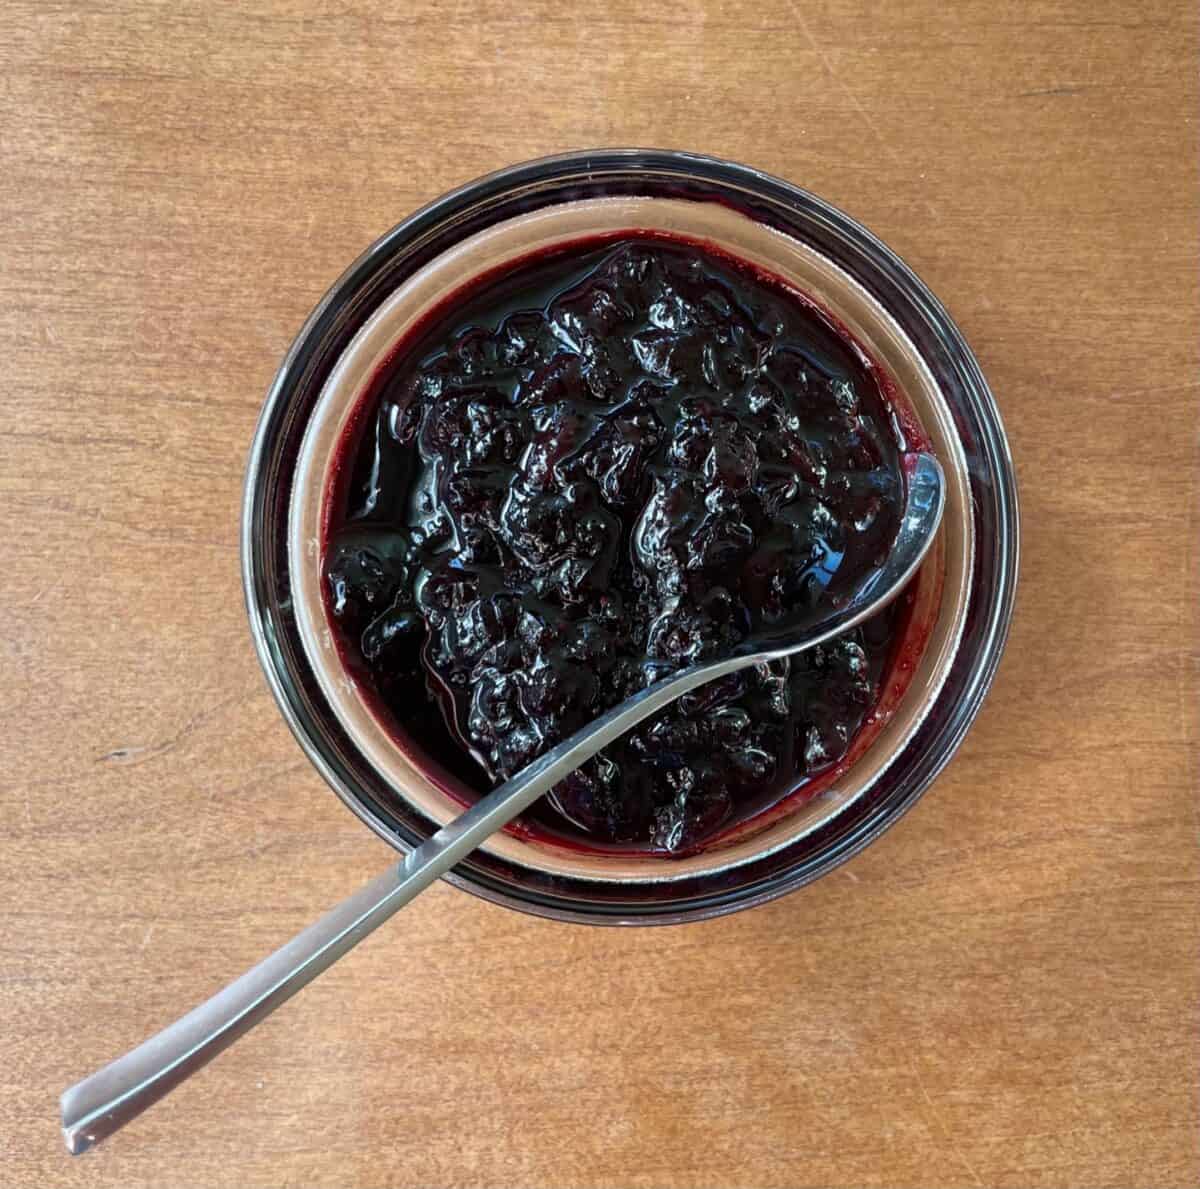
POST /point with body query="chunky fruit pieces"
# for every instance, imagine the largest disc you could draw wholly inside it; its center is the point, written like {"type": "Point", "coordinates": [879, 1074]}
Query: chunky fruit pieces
{"type": "Point", "coordinates": [604, 464]}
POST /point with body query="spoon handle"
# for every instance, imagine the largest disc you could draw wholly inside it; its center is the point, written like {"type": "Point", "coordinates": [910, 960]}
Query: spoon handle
{"type": "Point", "coordinates": [104, 1102]}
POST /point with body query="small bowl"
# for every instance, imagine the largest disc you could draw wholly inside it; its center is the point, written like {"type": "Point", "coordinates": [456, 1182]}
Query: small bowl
{"type": "Point", "coordinates": [963, 596]}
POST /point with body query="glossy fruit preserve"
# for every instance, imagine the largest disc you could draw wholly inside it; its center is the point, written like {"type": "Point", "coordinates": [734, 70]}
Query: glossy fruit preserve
{"type": "Point", "coordinates": [594, 466]}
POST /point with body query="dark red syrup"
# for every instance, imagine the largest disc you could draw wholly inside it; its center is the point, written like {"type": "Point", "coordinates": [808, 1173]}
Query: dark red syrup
{"type": "Point", "coordinates": [588, 469]}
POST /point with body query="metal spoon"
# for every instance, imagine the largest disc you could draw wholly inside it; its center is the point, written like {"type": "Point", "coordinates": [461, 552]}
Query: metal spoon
{"type": "Point", "coordinates": [106, 1101]}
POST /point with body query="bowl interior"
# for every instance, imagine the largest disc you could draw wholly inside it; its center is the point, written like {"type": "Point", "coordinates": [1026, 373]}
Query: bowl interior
{"type": "Point", "coordinates": [941, 590]}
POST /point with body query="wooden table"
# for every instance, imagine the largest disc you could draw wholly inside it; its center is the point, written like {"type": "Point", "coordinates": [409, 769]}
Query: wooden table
{"type": "Point", "coordinates": [1001, 992]}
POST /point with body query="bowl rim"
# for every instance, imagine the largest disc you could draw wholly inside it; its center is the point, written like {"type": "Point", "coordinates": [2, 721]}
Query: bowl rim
{"type": "Point", "coordinates": [264, 601]}
{"type": "Point", "coordinates": [941, 591]}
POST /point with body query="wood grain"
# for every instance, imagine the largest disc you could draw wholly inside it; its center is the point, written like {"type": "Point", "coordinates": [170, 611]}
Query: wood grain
{"type": "Point", "coordinates": [1001, 992]}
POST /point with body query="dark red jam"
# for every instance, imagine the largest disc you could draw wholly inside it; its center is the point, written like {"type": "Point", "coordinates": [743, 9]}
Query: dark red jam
{"type": "Point", "coordinates": [587, 470]}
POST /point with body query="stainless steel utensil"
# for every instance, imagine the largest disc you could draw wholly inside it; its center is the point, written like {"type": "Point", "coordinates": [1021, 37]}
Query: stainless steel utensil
{"type": "Point", "coordinates": [104, 1102]}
